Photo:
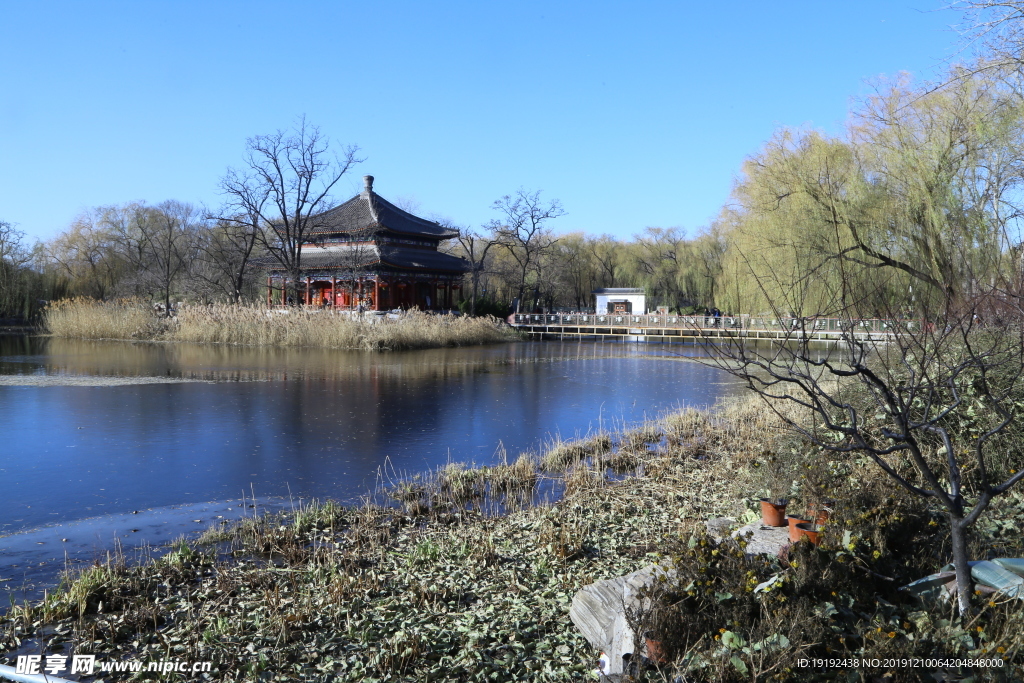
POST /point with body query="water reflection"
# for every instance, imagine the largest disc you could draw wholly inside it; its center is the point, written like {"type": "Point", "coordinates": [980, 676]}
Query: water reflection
{"type": "Point", "coordinates": [306, 422]}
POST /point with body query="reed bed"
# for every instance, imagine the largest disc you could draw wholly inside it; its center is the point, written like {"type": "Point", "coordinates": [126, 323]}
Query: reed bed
{"type": "Point", "coordinates": [82, 318]}
{"type": "Point", "coordinates": [254, 325]}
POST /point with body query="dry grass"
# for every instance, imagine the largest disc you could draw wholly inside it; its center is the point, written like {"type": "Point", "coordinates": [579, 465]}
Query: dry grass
{"type": "Point", "coordinates": [82, 318]}
{"type": "Point", "coordinates": [516, 479]}
{"type": "Point", "coordinates": [262, 326]}
{"type": "Point", "coordinates": [561, 455]}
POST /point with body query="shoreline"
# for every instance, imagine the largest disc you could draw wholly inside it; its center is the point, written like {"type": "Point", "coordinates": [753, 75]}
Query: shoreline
{"type": "Point", "coordinates": [33, 560]}
{"type": "Point", "coordinates": [434, 563]}
{"type": "Point", "coordinates": [91, 381]}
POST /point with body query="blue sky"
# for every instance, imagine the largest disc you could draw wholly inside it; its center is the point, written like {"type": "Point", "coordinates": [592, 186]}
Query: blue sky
{"type": "Point", "coordinates": [631, 114]}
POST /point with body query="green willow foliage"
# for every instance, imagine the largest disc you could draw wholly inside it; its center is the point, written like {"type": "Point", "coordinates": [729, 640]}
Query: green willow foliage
{"type": "Point", "coordinates": [916, 203]}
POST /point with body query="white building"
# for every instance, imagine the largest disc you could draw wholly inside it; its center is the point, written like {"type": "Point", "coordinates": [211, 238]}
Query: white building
{"type": "Point", "coordinates": [620, 300]}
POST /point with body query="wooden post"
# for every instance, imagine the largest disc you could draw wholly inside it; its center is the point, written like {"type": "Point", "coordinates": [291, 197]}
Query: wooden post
{"type": "Point", "coordinates": [284, 291]}
{"type": "Point", "coordinates": [376, 293]}
{"type": "Point", "coordinates": [270, 291]}
{"type": "Point", "coordinates": [334, 287]}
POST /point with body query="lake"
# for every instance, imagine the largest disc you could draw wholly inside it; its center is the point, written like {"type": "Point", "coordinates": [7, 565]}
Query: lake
{"type": "Point", "coordinates": [107, 429]}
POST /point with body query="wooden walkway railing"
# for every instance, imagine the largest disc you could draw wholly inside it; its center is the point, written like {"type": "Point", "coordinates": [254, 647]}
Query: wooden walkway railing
{"type": "Point", "coordinates": [687, 326]}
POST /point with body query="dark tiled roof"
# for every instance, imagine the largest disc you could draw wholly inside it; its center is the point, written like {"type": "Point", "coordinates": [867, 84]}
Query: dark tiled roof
{"type": "Point", "coordinates": [409, 258]}
{"type": "Point", "coordinates": [368, 211]}
{"type": "Point", "coordinates": [428, 259]}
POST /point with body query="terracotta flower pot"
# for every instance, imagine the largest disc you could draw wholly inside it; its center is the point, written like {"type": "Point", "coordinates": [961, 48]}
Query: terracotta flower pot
{"type": "Point", "coordinates": [819, 513]}
{"type": "Point", "coordinates": [809, 530]}
{"type": "Point", "coordinates": [656, 651]}
{"type": "Point", "coordinates": [772, 513]}
{"type": "Point", "coordinates": [794, 533]}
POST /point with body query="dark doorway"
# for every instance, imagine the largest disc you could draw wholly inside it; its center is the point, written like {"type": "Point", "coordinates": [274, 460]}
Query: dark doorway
{"type": "Point", "coordinates": [620, 306]}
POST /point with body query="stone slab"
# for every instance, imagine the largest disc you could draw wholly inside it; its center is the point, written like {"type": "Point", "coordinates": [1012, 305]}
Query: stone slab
{"type": "Point", "coordinates": [599, 610]}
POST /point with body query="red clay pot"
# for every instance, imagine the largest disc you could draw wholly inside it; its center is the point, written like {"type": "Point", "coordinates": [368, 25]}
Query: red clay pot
{"type": "Point", "coordinates": [809, 530]}
{"type": "Point", "coordinates": [794, 533]}
{"type": "Point", "coordinates": [773, 514]}
{"type": "Point", "coordinates": [819, 514]}
{"type": "Point", "coordinates": [655, 650]}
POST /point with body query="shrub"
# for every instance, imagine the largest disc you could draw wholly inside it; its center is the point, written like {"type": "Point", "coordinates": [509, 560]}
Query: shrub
{"type": "Point", "coordinates": [486, 306]}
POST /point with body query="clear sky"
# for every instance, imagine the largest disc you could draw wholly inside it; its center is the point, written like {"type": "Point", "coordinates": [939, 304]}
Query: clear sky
{"type": "Point", "coordinates": [632, 114]}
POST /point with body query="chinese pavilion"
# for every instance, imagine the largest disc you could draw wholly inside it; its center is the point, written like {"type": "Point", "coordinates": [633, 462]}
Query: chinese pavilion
{"type": "Point", "coordinates": [367, 252]}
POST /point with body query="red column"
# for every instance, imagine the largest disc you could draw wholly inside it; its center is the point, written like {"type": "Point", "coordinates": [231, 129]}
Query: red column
{"type": "Point", "coordinates": [308, 295]}
{"type": "Point", "coordinates": [376, 293]}
{"type": "Point", "coordinates": [334, 288]}
{"type": "Point", "coordinates": [270, 291]}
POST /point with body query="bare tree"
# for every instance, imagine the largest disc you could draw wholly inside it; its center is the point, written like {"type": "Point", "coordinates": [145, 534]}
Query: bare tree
{"type": "Point", "coordinates": [521, 231]}
{"type": "Point", "coordinates": [997, 26]}
{"type": "Point", "coordinates": [157, 243]}
{"type": "Point", "coordinates": [931, 400]}
{"type": "Point", "coordinates": [283, 188]}
{"type": "Point", "coordinates": [13, 258]}
{"type": "Point", "coordinates": [474, 247]}
{"type": "Point", "coordinates": [171, 243]}
{"type": "Point", "coordinates": [225, 250]}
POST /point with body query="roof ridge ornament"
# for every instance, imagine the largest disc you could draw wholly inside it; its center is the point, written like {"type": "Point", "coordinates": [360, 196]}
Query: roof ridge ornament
{"type": "Point", "coordinates": [368, 193]}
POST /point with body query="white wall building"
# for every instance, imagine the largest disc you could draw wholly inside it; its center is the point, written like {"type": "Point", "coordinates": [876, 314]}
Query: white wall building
{"type": "Point", "coordinates": [620, 300]}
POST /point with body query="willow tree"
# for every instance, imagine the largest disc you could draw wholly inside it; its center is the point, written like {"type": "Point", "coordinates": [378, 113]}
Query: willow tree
{"type": "Point", "coordinates": [945, 167]}
{"type": "Point", "coordinates": [86, 254]}
{"type": "Point", "coordinates": [607, 256]}
{"type": "Point", "coordinates": [922, 191]}
{"type": "Point", "coordinates": [785, 223]}
{"type": "Point", "coordinates": [575, 271]}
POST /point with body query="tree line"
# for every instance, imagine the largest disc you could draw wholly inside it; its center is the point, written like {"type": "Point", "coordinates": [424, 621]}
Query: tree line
{"type": "Point", "coordinates": [922, 188]}
{"type": "Point", "coordinates": [180, 251]}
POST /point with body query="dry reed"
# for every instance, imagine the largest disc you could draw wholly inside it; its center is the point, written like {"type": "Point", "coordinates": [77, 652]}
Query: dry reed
{"type": "Point", "coordinates": [256, 325]}
{"type": "Point", "coordinates": [561, 455]}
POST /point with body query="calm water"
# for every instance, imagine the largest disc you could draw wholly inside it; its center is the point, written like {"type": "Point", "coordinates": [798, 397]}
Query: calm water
{"type": "Point", "coordinates": [300, 422]}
